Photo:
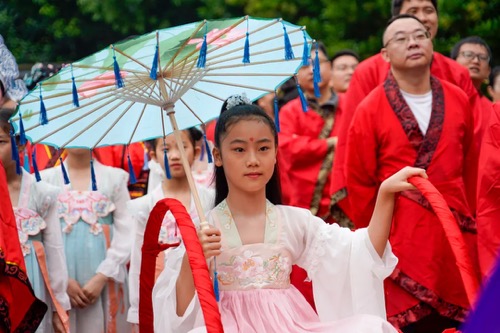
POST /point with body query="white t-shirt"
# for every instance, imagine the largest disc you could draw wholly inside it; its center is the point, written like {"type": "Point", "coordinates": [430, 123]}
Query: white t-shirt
{"type": "Point", "coordinates": [421, 106]}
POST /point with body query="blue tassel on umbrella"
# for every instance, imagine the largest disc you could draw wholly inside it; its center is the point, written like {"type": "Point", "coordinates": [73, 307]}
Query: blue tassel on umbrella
{"type": "Point", "coordinates": [165, 161]}
{"type": "Point", "coordinates": [303, 100]}
{"type": "Point", "coordinates": [22, 134]}
{"type": "Point", "coordinates": [207, 148]}
{"type": "Point", "coordinates": [154, 67]}
{"type": "Point", "coordinates": [15, 151]}
{"type": "Point", "coordinates": [202, 59]}
{"type": "Point", "coordinates": [132, 179]}
{"type": "Point", "coordinates": [216, 286]}
{"type": "Point", "coordinates": [246, 50]}
{"type": "Point", "coordinates": [35, 165]}
{"type": "Point", "coordinates": [43, 112]}
{"type": "Point", "coordinates": [316, 74]}
{"type": "Point", "coordinates": [92, 175]}
{"type": "Point", "coordinates": [288, 46]}
{"type": "Point", "coordinates": [305, 52]}
{"type": "Point", "coordinates": [76, 102]}
{"type": "Point", "coordinates": [116, 68]}
{"type": "Point", "coordinates": [26, 164]}
{"type": "Point", "coordinates": [276, 113]}
{"type": "Point", "coordinates": [64, 172]}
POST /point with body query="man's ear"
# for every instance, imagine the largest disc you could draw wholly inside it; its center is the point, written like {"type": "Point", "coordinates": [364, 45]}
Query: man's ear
{"type": "Point", "coordinates": [384, 54]}
{"type": "Point", "coordinates": [217, 157]}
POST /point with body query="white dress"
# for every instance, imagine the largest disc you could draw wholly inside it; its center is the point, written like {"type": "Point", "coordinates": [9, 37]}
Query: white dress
{"type": "Point", "coordinates": [140, 209]}
{"type": "Point", "coordinates": [85, 217]}
{"type": "Point", "coordinates": [255, 290]}
{"type": "Point", "coordinates": [36, 219]}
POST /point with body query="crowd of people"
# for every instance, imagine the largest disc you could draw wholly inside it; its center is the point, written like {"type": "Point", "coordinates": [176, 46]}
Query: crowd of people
{"type": "Point", "coordinates": [312, 228]}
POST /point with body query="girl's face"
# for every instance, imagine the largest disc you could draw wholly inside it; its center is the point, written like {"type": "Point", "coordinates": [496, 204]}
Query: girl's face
{"type": "Point", "coordinates": [174, 154]}
{"type": "Point", "coordinates": [248, 155]}
{"type": "Point", "coordinates": [6, 150]}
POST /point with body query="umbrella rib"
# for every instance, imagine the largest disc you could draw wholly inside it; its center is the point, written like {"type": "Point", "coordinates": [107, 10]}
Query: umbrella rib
{"type": "Point", "coordinates": [100, 68]}
{"type": "Point", "coordinates": [91, 124]}
{"type": "Point", "coordinates": [248, 74]}
{"type": "Point", "coordinates": [66, 93]}
{"type": "Point", "coordinates": [183, 46]}
{"type": "Point", "coordinates": [137, 123]}
{"type": "Point", "coordinates": [139, 89]}
{"type": "Point", "coordinates": [132, 59]}
{"type": "Point", "coordinates": [255, 63]}
{"type": "Point", "coordinates": [191, 110]}
{"type": "Point", "coordinates": [238, 85]}
{"type": "Point", "coordinates": [64, 113]}
{"type": "Point", "coordinates": [114, 123]}
{"type": "Point", "coordinates": [66, 125]}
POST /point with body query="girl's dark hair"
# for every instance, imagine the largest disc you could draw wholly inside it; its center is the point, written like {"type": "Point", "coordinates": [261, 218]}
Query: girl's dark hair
{"type": "Point", "coordinates": [226, 120]}
{"type": "Point", "coordinates": [5, 115]}
{"type": "Point", "coordinates": [194, 135]}
{"type": "Point", "coordinates": [495, 72]}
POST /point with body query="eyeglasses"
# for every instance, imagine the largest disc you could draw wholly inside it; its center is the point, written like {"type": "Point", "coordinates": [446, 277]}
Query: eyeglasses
{"type": "Point", "coordinates": [402, 38]}
{"type": "Point", "coordinates": [469, 55]}
{"type": "Point", "coordinates": [310, 62]}
{"type": "Point", "coordinates": [345, 67]}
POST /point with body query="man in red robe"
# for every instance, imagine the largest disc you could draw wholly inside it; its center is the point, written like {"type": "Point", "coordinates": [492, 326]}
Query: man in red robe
{"type": "Point", "coordinates": [418, 120]}
{"type": "Point", "coordinates": [307, 141]}
{"type": "Point", "coordinates": [373, 71]}
{"type": "Point", "coordinates": [488, 199]}
{"type": "Point", "coordinates": [20, 310]}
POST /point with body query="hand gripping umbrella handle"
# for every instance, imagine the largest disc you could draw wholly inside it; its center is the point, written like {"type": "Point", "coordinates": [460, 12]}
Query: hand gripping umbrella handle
{"type": "Point", "coordinates": [453, 233]}
{"type": "Point", "coordinates": [151, 249]}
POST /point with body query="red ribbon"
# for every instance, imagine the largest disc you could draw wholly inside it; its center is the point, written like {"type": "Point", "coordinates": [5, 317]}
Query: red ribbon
{"type": "Point", "coordinates": [453, 234]}
{"type": "Point", "coordinates": [150, 250]}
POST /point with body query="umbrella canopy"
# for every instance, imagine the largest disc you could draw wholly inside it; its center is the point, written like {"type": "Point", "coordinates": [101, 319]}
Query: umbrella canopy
{"type": "Point", "coordinates": [116, 96]}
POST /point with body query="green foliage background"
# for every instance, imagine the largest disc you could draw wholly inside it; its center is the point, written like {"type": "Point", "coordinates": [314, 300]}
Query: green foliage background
{"type": "Point", "coordinates": [67, 30]}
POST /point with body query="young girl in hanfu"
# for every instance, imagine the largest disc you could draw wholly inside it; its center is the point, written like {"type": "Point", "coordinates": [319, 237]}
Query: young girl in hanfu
{"type": "Point", "coordinates": [97, 235]}
{"type": "Point", "coordinates": [256, 241]}
{"type": "Point", "coordinates": [177, 187]}
{"type": "Point", "coordinates": [35, 208]}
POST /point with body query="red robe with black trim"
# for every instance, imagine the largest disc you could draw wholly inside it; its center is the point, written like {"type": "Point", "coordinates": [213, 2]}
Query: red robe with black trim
{"type": "Point", "coordinates": [372, 72]}
{"type": "Point", "coordinates": [382, 141]}
{"type": "Point", "coordinates": [488, 199]}
{"type": "Point", "coordinates": [302, 154]}
{"type": "Point", "coordinates": [20, 310]}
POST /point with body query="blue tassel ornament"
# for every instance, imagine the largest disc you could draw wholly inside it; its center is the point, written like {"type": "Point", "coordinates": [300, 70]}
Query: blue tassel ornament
{"type": "Point", "coordinates": [207, 148]}
{"type": "Point", "coordinates": [132, 179]}
{"type": "Point", "coordinates": [116, 68]}
{"type": "Point", "coordinates": [316, 74]}
{"type": "Point", "coordinates": [216, 283]}
{"type": "Point", "coordinates": [15, 152]}
{"type": "Point", "coordinates": [76, 102]}
{"type": "Point", "coordinates": [276, 113]}
{"type": "Point", "coordinates": [246, 51]}
{"type": "Point", "coordinates": [165, 161]}
{"type": "Point", "coordinates": [35, 166]}
{"type": "Point", "coordinates": [305, 52]}
{"type": "Point", "coordinates": [22, 134]}
{"type": "Point", "coordinates": [64, 172]}
{"type": "Point", "coordinates": [154, 67]}
{"type": "Point", "coordinates": [43, 112]}
{"type": "Point", "coordinates": [92, 175]}
{"type": "Point", "coordinates": [303, 100]}
{"type": "Point", "coordinates": [288, 46]}
{"type": "Point", "coordinates": [26, 164]}
{"type": "Point", "coordinates": [202, 58]}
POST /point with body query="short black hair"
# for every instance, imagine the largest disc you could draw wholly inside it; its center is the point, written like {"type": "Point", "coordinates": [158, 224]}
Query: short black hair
{"type": "Point", "coordinates": [471, 40]}
{"type": "Point", "coordinates": [5, 115]}
{"type": "Point", "coordinates": [345, 52]}
{"type": "Point", "coordinates": [397, 4]}
{"type": "Point", "coordinates": [398, 17]}
{"type": "Point", "coordinates": [495, 72]}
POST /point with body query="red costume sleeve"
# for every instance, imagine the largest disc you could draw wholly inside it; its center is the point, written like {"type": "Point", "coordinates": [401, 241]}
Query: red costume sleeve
{"type": "Point", "coordinates": [20, 310]}
{"type": "Point", "coordinates": [488, 202]}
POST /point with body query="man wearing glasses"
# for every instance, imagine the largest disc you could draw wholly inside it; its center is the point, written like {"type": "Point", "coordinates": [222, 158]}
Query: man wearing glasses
{"type": "Point", "coordinates": [417, 119]}
{"type": "Point", "coordinates": [373, 71]}
{"type": "Point", "coordinates": [474, 54]}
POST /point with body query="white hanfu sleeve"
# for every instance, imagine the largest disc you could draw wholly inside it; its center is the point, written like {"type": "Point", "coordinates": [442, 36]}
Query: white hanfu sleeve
{"type": "Point", "coordinates": [139, 211]}
{"type": "Point", "coordinates": [346, 271]}
{"type": "Point", "coordinates": [118, 254]}
{"type": "Point", "coordinates": [53, 243]}
{"type": "Point", "coordinates": [165, 303]}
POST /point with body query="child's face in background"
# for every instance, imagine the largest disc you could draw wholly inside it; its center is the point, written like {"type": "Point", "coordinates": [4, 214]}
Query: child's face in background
{"type": "Point", "coordinates": [6, 149]}
{"type": "Point", "coordinates": [248, 155]}
{"type": "Point", "coordinates": [174, 154]}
